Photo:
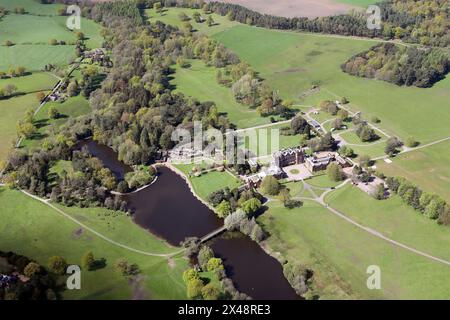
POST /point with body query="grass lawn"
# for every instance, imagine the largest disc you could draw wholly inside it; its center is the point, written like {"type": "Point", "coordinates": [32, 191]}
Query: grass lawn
{"type": "Point", "coordinates": [339, 254]}
{"type": "Point", "coordinates": [40, 236]}
{"type": "Point", "coordinates": [268, 135]}
{"type": "Point", "coordinates": [35, 57]}
{"type": "Point", "coordinates": [210, 181]}
{"type": "Point", "coordinates": [170, 16]}
{"type": "Point", "coordinates": [322, 181]}
{"type": "Point", "coordinates": [39, 81]}
{"type": "Point", "coordinates": [359, 3]}
{"type": "Point", "coordinates": [199, 81]}
{"type": "Point", "coordinates": [12, 110]}
{"type": "Point", "coordinates": [31, 6]}
{"type": "Point", "coordinates": [394, 219]}
{"type": "Point", "coordinates": [428, 168]}
{"type": "Point", "coordinates": [291, 62]}
{"type": "Point", "coordinates": [71, 108]}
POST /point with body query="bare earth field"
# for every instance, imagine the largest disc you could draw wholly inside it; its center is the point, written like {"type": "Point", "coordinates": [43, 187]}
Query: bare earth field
{"type": "Point", "coordinates": [296, 8]}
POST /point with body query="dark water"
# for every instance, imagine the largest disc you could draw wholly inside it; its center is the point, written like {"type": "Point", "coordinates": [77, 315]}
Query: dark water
{"type": "Point", "coordinates": [168, 209]}
{"type": "Point", "coordinates": [108, 156]}
{"type": "Point", "coordinates": [252, 270]}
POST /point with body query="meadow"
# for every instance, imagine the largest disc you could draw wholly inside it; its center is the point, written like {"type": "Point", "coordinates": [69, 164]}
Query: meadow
{"type": "Point", "coordinates": [292, 62]}
{"type": "Point", "coordinates": [71, 108]}
{"type": "Point", "coordinates": [170, 16]}
{"type": "Point", "coordinates": [31, 34]}
{"type": "Point", "coordinates": [48, 233]}
{"type": "Point", "coordinates": [340, 253]}
{"type": "Point", "coordinates": [199, 81]}
{"type": "Point", "coordinates": [210, 181]}
{"type": "Point", "coordinates": [428, 168]}
{"type": "Point", "coordinates": [31, 6]}
{"type": "Point", "coordinates": [394, 219]}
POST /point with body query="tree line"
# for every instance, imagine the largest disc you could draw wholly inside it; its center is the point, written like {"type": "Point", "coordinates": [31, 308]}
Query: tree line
{"type": "Point", "coordinates": [400, 65]}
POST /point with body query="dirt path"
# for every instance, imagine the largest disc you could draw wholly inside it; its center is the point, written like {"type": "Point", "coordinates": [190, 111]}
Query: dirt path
{"type": "Point", "coordinates": [321, 200]}
{"type": "Point", "coordinates": [98, 234]}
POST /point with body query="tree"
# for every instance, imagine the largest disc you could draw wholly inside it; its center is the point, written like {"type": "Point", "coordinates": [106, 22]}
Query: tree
{"type": "Point", "coordinates": [223, 209]}
{"type": "Point", "coordinates": [210, 292]}
{"type": "Point", "coordinates": [194, 288]}
{"type": "Point", "coordinates": [300, 126]}
{"type": "Point", "coordinates": [57, 265]}
{"type": "Point", "coordinates": [364, 161]}
{"type": "Point", "coordinates": [346, 151]}
{"type": "Point", "coordinates": [197, 17]}
{"type": "Point", "coordinates": [32, 269]}
{"type": "Point", "coordinates": [233, 221]}
{"type": "Point", "coordinates": [53, 42]}
{"type": "Point", "coordinates": [40, 96]}
{"type": "Point", "coordinates": [251, 206]}
{"type": "Point", "coordinates": [257, 233]}
{"type": "Point", "coordinates": [204, 255]}
{"type": "Point", "coordinates": [334, 172]}
{"type": "Point", "coordinates": [157, 6]}
{"type": "Point", "coordinates": [214, 264]}
{"type": "Point", "coordinates": [285, 196]}
{"type": "Point", "coordinates": [190, 274]}
{"type": "Point", "coordinates": [125, 268]}
{"type": "Point", "coordinates": [411, 142]}
{"type": "Point", "coordinates": [210, 21]}
{"type": "Point", "coordinates": [270, 186]}
{"type": "Point", "coordinates": [343, 114]}
{"type": "Point", "coordinates": [337, 123]}
{"type": "Point", "coordinates": [26, 129]}
{"type": "Point", "coordinates": [9, 89]}
{"type": "Point", "coordinates": [88, 261]}
{"type": "Point", "coordinates": [72, 89]}
{"type": "Point", "coordinates": [53, 112]}
{"type": "Point", "coordinates": [183, 16]}
{"type": "Point", "coordinates": [379, 193]}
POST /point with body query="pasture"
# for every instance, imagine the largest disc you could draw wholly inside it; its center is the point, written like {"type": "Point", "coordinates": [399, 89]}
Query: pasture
{"type": "Point", "coordinates": [394, 219]}
{"type": "Point", "coordinates": [71, 108]}
{"type": "Point", "coordinates": [199, 81]}
{"type": "Point", "coordinates": [339, 253]}
{"type": "Point", "coordinates": [292, 62]}
{"type": "Point", "coordinates": [31, 6]}
{"type": "Point", "coordinates": [48, 233]}
{"type": "Point", "coordinates": [428, 168]}
{"type": "Point", "coordinates": [170, 16]}
{"type": "Point", "coordinates": [12, 110]}
{"type": "Point", "coordinates": [30, 83]}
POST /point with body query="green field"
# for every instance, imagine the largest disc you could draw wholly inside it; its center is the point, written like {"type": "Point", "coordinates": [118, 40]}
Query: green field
{"type": "Point", "coordinates": [71, 108]}
{"type": "Point", "coordinates": [31, 83]}
{"type": "Point", "coordinates": [12, 110]}
{"type": "Point", "coordinates": [199, 81]}
{"type": "Point", "coordinates": [170, 16]}
{"type": "Point", "coordinates": [428, 168]}
{"type": "Point", "coordinates": [35, 57]}
{"type": "Point", "coordinates": [31, 6]}
{"type": "Point", "coordinates": [339, 254]}
{"type": "Point", "coordinates": [210, 181]}
{"type": "Point", "coordinates": [31, 35]}
{"type": "Point", "coordinates": [291, 62]}
{"type": "Point", "coordinates": [394, 219]}
{"type": "Point", "coordinates": [48, 233]}
{"type": "Point", "coordinates": [359, 3]}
